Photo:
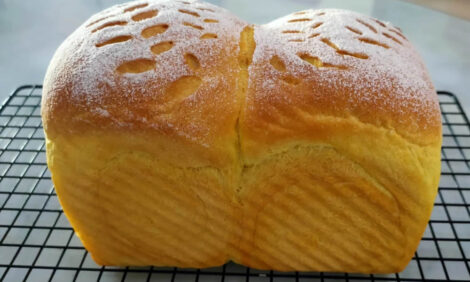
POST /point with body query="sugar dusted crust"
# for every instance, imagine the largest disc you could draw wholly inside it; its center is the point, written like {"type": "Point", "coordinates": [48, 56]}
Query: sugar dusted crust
{"type": "Point", "coordinates": [147, 65]}
{"type": "Point", "coordinates": [340, 64]}
{"type": "Point", "coordinates": [115, 70]}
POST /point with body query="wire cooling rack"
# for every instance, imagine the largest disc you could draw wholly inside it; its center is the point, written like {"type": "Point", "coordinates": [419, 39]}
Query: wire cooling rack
{"type": "Point", "coordinates": [38, 244]}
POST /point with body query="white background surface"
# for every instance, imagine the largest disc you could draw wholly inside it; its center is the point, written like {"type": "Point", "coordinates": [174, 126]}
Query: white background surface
{"type": "Point", "coordinates": [31, 30]}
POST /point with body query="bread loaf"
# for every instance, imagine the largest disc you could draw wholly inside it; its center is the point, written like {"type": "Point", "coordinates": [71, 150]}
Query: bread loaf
{"type": "Point", "coordinates": [180, 135]}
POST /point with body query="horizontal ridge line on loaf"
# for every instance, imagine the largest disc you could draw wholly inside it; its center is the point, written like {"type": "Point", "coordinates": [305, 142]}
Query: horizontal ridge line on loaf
{"type": "Point", "coordinates": [318, 145]}
{"type": "Point", "coordinates": [193, 168]}
{"type": "Point", "coordinates": [409, 139]}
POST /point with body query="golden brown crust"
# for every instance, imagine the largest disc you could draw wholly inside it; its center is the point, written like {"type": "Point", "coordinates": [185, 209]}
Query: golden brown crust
{"type": "Point", "coordinates": [336, 74]}
{"type": "Point", "coordinates": [390, 95]}
{"type": "Point", "coordinates": [177, 89]}
{"type": "Point", "coordinates": [309, 143]}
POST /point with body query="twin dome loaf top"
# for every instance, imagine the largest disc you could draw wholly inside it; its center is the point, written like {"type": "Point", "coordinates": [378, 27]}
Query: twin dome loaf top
{"type": "Point", "coordinates": [141, 46]}
{"type": "Point", "coordinates": [180, 135]}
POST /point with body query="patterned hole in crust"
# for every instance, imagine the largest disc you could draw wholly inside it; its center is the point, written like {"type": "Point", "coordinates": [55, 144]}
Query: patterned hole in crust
{"type": "Point", "coordinates": [299, 20]}
{"type": "Point", "coordinates": [314, 35]}
{"type": "Point", "coordinates": [398, 33]}
{"type": "Point", "coordinates": [98, 20]}
{"type": "Point", "coordinates": [356, 55]}
{"type": "Point", "coordinates": [182, 88]}
{"type": "Point", "coordinates": [135, 7]}
{"type": "Point", "coordinates": [193, 25]}
{"type": "Point", "coordinates": [136, 66]}
{"type": "Point", "coordinates": [109, 24]}
{"type": "Point", "coordinates": [291, 31]}
{"type": "Point", "coordinates": [277, 63]}
{"type": "Point", "coordinates": [145, 15]}
{"type": "Point", "coordinates": [192, 61]}
{"type": "Point", "coordinates": [355, 30]}
{"type": "Point", "coordinates": [296, 40]}
{"type": "Point", "coordinates": [379, 22]}
{"type": "Point", "coordinates": [289, 79]}
{"type": "Point", "coordinates": [206, 9]}
{"type": "Point", "coordinates": [311, 59]}
{"type": "Point", "coordinates": [211, 21]}
{"type": "Point", "coordinates": [188, 12]}
{"type": "Point", "coordinates": [154, 30]}
{"type": "Point", "coordinates": [114, 40]}
{"type": "Point", "coordinates": [340, 67]}
{"type": "Point", "coordinates": [315, 25]}
{"type": "Point", "coordinates": [391, 37]}
{"type": "Point", "coordinates": [367, 25]}
{"type": "Point", "coordinates": [315, 61]}
{"type": "Point", "coordinates": [373, 42]}
{"type": "Point", "coordinates": [209, 36]}
{"type": "Point", "coordinates": [161, 47]}
{"type": "Point", "coordinates": [343, 52]}
{"type": "Point", "coordinates": [329, 43]}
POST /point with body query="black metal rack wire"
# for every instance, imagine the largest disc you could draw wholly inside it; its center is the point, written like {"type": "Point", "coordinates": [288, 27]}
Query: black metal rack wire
{"type": "Point", "coordinates": [38, 244]}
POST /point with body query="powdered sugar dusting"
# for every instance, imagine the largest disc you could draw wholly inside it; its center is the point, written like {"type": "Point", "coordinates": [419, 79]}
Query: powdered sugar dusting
{"type": "Point", "coordinates": [100, 61]}
{"type": "Point", "coordinates": [356, 52]}
{"type": "Point", "coordinates": [110, 53]}
{"type": "Point", "coordinates": [115, 67]}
